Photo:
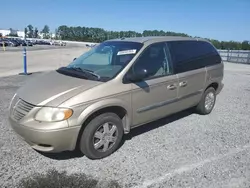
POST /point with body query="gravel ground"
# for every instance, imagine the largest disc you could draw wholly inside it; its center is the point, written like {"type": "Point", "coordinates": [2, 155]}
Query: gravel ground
{"type": "Point", "coordinates": [184, 150]}
{"type": "Point", "coordinates": [11, 62]}
{"type": "Point", "coordinates": [32, 48]}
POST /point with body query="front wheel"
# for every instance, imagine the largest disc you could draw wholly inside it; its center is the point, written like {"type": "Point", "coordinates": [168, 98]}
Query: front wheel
{"type": "Point", "coordinates": [102, 136]}
{"type": "Point", "coordinates": [207, 102]}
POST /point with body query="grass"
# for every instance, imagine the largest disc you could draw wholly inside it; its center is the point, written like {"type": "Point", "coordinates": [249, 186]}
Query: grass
{"type": "Point", "coordinates": [55, 179]}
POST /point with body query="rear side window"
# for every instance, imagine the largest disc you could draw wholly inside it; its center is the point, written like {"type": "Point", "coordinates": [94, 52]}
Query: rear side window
{"type": "Point", "coordinates": [191, 55]}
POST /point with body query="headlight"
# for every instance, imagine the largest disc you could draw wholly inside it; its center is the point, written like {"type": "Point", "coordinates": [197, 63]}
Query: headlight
{"type": "Point", "coordinates": [50, 114]}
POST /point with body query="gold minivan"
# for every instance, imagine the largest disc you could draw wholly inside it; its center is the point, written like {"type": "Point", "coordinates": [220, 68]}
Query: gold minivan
{"type": "Point", "coordinates": [114, 87]}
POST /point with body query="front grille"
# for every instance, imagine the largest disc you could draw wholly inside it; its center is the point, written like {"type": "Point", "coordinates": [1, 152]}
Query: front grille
{"type": "Point", "coordinates": [21, 109]}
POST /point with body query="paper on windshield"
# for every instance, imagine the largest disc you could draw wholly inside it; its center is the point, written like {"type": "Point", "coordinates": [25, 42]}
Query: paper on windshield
{"type": "Point", "coordinates": [125, 52]}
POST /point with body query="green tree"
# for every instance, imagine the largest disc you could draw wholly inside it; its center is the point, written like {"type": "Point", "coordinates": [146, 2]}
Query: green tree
{"type": "Point", "coordinates": [36, 33]}
{"type": "Point", "coordinates": [30, 31]}
{"type": "Point", "coordinates": [223, 45]}
{"type": "Point", "coordinates": [56, 34]}
{"type": "Point", "coordinates": [25, 32]}
{"type": "Point", "coordinates": [63, 32]}
{"type": "Point", "coordinates": [245, 45]}
{"type": "Point", "coordinates": [91, 34]}
{"type": "Point", "coordinates": [45, 32]}
{"type": "Point", "coordinates": [216, 43]}
{"type": "Point", "coordinates": [12, 33]}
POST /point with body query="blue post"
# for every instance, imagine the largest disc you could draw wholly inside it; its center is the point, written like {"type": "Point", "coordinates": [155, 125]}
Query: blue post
{"type": "Point", "coordinates": [24, 61]}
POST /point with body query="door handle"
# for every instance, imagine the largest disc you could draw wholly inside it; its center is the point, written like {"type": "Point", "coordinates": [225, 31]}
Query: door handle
{"type": "Point", "coordinates": [183, 84]}
{"type": "Point", "coordinates": [171, 87]}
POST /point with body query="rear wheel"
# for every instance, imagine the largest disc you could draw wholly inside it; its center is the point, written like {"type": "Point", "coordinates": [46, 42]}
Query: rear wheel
{"type": "Point", "coordinates": [207, 102]}
{"type": "Point", "coordinates": [102, 136]}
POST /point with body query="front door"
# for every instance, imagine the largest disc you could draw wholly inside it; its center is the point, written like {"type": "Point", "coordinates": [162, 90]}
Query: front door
{"type": "Point", "coordinates": [155, 96]}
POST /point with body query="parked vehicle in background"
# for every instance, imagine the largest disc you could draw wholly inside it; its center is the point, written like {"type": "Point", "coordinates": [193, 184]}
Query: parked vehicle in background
{"type": "Point", "coordinates": [28, 43]}
{"type": "Point", "coordinates": [118, 85]}
{"type": "Point", "coordinates": [59, 43]}
{"type": "Point", "coordinates": [14, 41]}
{"type": "Point", "coordinates": [42, 42]}
{"type": "Point", "coordinates": [18, 41]}
{"type": "Point", "coordinates": [21, 42]}
{"type": "Point", "coordinates": [3, 43]}
{"type": "Point", "coordinates": [7, 42]}
{"type": "Point", "coordinates": [90, 45]}
{"type": "Point", "coordinates": [12, 44]}
{"type": "Point", "coordinates": [33, 42]}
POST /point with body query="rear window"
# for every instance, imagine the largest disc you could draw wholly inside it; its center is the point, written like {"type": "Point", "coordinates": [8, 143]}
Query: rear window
{"type": "Point", "coordinates": [190, 55]}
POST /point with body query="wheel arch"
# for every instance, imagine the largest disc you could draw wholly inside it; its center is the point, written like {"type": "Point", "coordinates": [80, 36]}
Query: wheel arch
{"type": "Point", "coordinates": [214, 85]}
{"type": "Point", "coordinates": [115, 106]}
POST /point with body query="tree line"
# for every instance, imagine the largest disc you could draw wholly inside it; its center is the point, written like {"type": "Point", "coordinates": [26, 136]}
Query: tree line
{"type": "Point", "coordinates": [93, 34]}
{"type": "Point", "coordinates": [31, 32]}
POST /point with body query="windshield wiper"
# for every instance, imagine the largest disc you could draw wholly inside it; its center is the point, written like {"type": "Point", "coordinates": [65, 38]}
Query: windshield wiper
{"type": "Point", "coordinates": [92, 72]}
{"type": "Point", "coordinates": [86, 70]}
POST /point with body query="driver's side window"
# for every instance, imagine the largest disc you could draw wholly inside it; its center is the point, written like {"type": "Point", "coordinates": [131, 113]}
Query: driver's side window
{"type": "Point", "coordinates": [154, 60]}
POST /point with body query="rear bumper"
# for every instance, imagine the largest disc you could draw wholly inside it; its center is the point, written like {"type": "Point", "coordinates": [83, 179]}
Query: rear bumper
{"type": "Point", "coordinates": [47, 141]}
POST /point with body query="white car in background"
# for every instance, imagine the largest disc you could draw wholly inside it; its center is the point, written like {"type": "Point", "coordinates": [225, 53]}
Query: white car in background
{"type": "Point", "coordinates": [59, 43]}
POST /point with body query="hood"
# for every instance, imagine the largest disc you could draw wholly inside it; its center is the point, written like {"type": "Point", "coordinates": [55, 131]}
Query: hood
{"type": "Point", "coordinates": [53, 88]}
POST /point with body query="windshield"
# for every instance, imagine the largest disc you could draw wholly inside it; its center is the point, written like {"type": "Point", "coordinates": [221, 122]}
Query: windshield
{"type": "Point", "coordinates": [106, 60]}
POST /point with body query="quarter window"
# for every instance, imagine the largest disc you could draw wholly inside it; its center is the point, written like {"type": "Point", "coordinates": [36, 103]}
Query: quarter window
{"type": "Point", "coordinates": [154, 60]}
{"type": "Point", "coordinates": [190, 55]}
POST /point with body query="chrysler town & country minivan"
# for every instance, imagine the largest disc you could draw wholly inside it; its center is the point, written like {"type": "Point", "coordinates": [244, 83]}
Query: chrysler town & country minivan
{"type": "Point", "coordinates": [114, 87]}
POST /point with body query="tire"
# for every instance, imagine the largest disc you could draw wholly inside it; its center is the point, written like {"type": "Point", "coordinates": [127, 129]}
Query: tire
{"type": "Point", "coordinates": [201, 107]}
{"type": "Point", "coordinates": [97, 124]}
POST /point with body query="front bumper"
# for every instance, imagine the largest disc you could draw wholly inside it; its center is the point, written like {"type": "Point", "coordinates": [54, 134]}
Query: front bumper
{"type": "Point", "coordinates": [57, 140]}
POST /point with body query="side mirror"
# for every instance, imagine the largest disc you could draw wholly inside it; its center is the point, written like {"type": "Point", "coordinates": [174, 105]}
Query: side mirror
{"type": "Point", "coordinates": [139, 76]}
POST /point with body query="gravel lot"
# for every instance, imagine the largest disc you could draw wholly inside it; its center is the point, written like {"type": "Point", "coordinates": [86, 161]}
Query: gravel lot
{"type": "Point", "coordinates": [39, 47]}
{"type": "Point", "coordinates": [42, 59]}
{"type": "Point", "coordinates": [30, 48]}
{"type": "Point", "coordinates": [184, 150]}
